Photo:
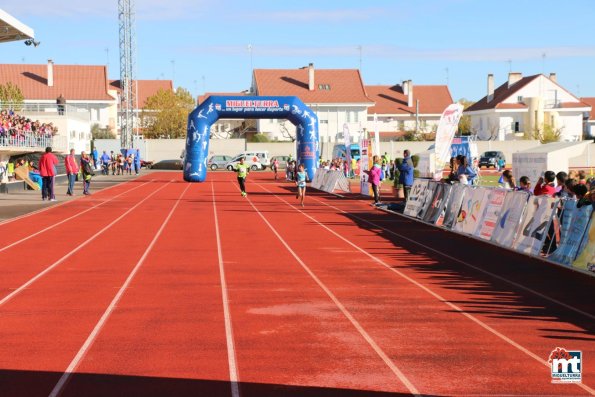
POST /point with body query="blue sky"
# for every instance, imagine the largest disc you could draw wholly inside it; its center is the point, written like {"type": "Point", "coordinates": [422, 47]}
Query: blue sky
{"type": "Point", "coordinates": [427, 41]}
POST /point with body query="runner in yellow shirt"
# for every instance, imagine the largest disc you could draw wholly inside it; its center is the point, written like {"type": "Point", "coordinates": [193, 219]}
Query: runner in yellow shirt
{"type": "Point", "coordinates": [242, 170]}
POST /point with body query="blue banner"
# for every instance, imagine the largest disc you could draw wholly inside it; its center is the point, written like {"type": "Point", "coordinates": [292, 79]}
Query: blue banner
{"type": "Point", "coordinates": [573, 227]}
{"type": "Point", "coordinates": [249, 107]}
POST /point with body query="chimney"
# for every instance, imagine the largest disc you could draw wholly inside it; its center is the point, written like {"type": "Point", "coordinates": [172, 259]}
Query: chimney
{"type": "Point", "coordinates": [410, 94]}
{"type": "Point", "coordinates": [50, 73]}
{"type": "Point", "coordinates": [311, 77]}
{"type": "Point", "coordinates": [513, 77]}
{"type": "Point", "coordinates": [553, 77]}
{"type": "Point", "coordinates": [405, 86]}
{"type": "Point", "coordinates": [490, 87]}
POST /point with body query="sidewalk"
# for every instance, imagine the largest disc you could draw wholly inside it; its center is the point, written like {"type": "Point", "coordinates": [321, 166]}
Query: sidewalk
{"type": "Point", "coordinates": [25, 201]}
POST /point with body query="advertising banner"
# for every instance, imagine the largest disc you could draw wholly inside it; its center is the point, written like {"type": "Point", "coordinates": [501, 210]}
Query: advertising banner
{"type": "Point", "coordinates": [586, 258]}
{"type": "Point", "coordinates": [376, 136]}
{"type": "Point", "coordinates": [491, 213]}
{"type": "Point", "coordinates": [535, 225]}
{"type": "Point", "coordinates": [474, 202]}
{"type": "Point", "coordinates": [438, 203]}
{"type": "Point", "coordinates": [347, 138]}
{"type": "Point", "coordinates": [427, 201]}
{"type": "Point", "coordinates": [510, 218]}
{"type": "Point", "coordinates": [453, 206]}
{"type": "Point", "coordinates": [574, 224]}
{"type": "Point", "coordinates": [532, 165]}
{"type": "Point", "coordinates": [447, 127]}
{"type": "Point", "coordinates": [417, 197]}
{"type": "Point", "coordinates": [364, 185]}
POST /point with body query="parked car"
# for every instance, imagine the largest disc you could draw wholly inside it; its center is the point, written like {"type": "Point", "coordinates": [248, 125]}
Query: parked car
{"type": "Point", "coordinates": [146, 164]}
{"type": "Point", "coordinates": [218, 161]}
{"type": "Point", "coordinates": [282, 160]}
{"type": "Point", "coordinates": [491, 159]}
{"type": "Point", "coordinates": [168, 165]}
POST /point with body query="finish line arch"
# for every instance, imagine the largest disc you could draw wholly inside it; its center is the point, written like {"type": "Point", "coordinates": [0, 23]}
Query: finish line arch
{"type": "Point", "coordinates": [249, 107]}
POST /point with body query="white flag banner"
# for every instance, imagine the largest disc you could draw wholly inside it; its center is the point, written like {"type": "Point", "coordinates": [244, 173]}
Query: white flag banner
{"type": "Point", "coordinates": [376, 136]}
{"type": "Point", "coordinates": [347, 138]}
{"type": "Point", "coordinates": [447, 127]}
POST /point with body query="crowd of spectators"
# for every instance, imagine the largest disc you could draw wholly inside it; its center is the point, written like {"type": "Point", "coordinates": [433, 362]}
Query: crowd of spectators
{"type": "Point", "coordinates": [17, 130]}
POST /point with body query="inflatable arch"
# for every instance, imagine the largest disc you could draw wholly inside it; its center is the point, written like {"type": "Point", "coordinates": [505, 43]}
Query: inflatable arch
{"type": "Point", "coordinates": [249, 107]}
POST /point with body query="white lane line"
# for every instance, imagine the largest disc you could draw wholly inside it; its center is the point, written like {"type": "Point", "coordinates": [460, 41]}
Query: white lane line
{"type": "Point", "coordinates": [91, 338]}
{"type": "Point", "coordinates": [479, 269]}
{"type": "Point", "coordinates": [389, 363]}
{"type": "Point", "coordinates": [83, 244]}
{"type": "Point", "coordinates": [231, 350]}
{"type": "Point", "coordinates": [428, 290]}
{"type": "Point", "coordinates": [69, 218]}
{"type": "Point", "coordinates": [16, 218]}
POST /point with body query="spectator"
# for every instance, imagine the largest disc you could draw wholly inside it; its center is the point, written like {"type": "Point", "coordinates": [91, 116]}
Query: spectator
{"type": "Point", "coordinates": [47, 170]}
{"type": "Point", "coordinates": [406, 173]}
{"type": "Point", "coordinates": [524, 184]}
{"type": "Point", "coordinates": [582, 177]}
{"type": "Point", "coordinates": [507, 180]}
{"type": "Point", "coordinates": [464, 169]}
{"type": "Point", "coordinates": [17, 130]}
{"type": "Point", "coordinates": [567, 190]}
{"type": "Point", "coordinates": [61, 102]}
{"type": "Point", "coordinates": [374, 178]}
{"type": "Point", "coordinates": [87, 172]}
{"type": "Point", "coordinates": [561, 178]}
{"type": "Point", "coordinates": [95, 155]}
{"type": "Point", "coordinates": [545, 185]}
{"type": "Point", "coordinates": [105, 160]}
{"type": "Point", "coordinates": [72, 170]}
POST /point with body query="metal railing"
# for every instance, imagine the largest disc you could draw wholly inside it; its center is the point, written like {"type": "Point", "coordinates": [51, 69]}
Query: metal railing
{"type": "Point", "coordinates": [40, 109]}
{"type": "Point", "coordinates": [26, 140]}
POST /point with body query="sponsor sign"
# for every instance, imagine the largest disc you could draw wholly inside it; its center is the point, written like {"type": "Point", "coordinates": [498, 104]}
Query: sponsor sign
{"type": "Point", "coordinates": [491, 213]}
{"type": "Point", "coordinates": [535, 225]}
{"type": "Point", "coordinates": [474, 202]}
{"type": "Point", "coordinates": [453, 206]}
{"type": "Point", "coordinates": [574, 224]}
{"type": "Point", "coordinates": [510, 218]}
{"type": "Point", "coordinates": [417, 197]}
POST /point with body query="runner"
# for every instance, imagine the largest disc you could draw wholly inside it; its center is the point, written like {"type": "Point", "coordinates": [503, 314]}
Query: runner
{"type": "Point", "coordinates": [242, 170]}
{"type": "Point", "coordinates": [275, 166]}
{"type": "Point", "coordinates": [300, 182]}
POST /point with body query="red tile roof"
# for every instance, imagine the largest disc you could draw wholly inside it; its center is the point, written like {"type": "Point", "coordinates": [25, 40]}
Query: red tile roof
{"type": "Point", "coordinates": [146, 89]}
{"type": "Point", "coordinates": [346, 85]}
{"type": "Point", "coordinates": [501, 94]}
{"type": "Point", "coordinates": [511, 106]}
{"type": "Point", "coordinates": [433, 99]}
{"type": "Point", "coordinates": [590, 101]}
{"type": "Point", "coordinates": [571, 105]}
{"type": "Point", "coordinates": [74, 82]}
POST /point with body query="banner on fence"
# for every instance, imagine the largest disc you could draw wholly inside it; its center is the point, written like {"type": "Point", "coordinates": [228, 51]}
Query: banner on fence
{"type": "Point", "coordinates": [417, 196]}
{"type": "Point", "coordinates": [510, 218]}
{"type": "Point", "coordinates": [573, 227]}
{"type": "Point", "coordinates": [490, 214]}
{"type": "Point", "coordinates": [364, 185]}
{"type": "Point", "coordinates": [535, 225]}
{"type": "Point", "coordinates": [318, 178]}
{"type": "Point", "coordinates": [438, 202]}
{"type": "Point", "coordinates": [425, 205]}
{"type": "Point", "coordinates": [453, 206]}
{"type": "Point", "coordinates": [474, 203]}
{"type": "Point", "coordinates": [330, 180]}
{"type": "Point", "coordinates": [586, 258]}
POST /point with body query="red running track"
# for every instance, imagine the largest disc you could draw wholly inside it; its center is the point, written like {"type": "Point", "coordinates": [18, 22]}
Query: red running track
{"type": "Point", "coordinates": [157, 287]}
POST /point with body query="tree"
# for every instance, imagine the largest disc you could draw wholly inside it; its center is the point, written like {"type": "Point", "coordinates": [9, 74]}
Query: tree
{"type": "Point", "coordinates": [11, 96]}
{"type": "Point", "coordinates": [465, 121]}
{"type": "Point", "coordinates": [165, 114]}
{"type": "Point", "coordinates": [101, 133]}
{"type": "Point", "coordinates": [547, 134]}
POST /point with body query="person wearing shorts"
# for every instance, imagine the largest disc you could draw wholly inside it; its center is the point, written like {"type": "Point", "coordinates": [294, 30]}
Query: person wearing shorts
{"type": "Point", "coordinates": [300, 181]}
{"type": "Point", "coordinates": [242, 170]}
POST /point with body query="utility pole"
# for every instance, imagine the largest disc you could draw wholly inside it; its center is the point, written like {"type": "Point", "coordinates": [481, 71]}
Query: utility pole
{"type": "Point", "coordinates": [250, 52]}
{"type": "Point", "coordinates": [127, 37]}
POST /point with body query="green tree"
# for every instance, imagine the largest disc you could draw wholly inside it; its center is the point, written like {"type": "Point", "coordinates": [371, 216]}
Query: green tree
{"type": "Point", "coordinates": [165, 114]}
{"type": "Point", "coordinates": [11, 96]}
{"type": "Point", "coordinates": [259, 138]}
{"type": "Point", "coordinates": [101, 133]}
{"type": "Point", "coordinates": [547, 134]}
{"type": "Point", "coordinates": [465, 121]}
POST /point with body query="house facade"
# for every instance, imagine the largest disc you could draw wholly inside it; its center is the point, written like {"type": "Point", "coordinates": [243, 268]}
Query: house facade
{"type": "Point", "coordinates": [337, 96]}
{"type": "Point", "coordinates": [523, 105]}
{"type": "Point", "coordinates": [402, 108]}
{"type": "Point", "coordinates": [589, 118]}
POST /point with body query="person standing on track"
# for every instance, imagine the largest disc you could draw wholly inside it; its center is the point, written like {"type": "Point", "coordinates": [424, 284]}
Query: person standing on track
{"type": "Point", "coordinates": [300, 181]}
{"type": "Point", "coordinates": [47, 170]}
{"type": "Point", "coordinates": [275, 166]}
{"type": "Point", "coordinates": [374, 178]}
{"type": "Point", "coordinates": [72, 169]}
{"type": "Point", "coordinates": [87, 171]}
{"type": "Point", "coordinates": [242, 170]}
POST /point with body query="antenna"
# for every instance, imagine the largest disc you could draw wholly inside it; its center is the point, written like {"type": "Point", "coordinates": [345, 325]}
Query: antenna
{"type": "Point", "coordinates": [250, 52]}
{"type": "Point", "coordinates": [360, 48]}
{"type": "Point", "coordinates": [543, 63]}
{"type": "Point", "coordinates": [509, 65]}
{"type": "Point", "coordinates": [127, 71]}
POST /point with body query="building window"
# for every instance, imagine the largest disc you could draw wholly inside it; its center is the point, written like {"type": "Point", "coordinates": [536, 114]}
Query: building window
{"type": "Point", "coordinates": [324, 87]}
{"type": "Point", "coordinates": [517, 126]}
{"type": "Point", "coordinates": [323, 121]}
{"type": "Point", "coordinates": [401, 125]}
{"type": "Point", "coordinates": [519, 99]}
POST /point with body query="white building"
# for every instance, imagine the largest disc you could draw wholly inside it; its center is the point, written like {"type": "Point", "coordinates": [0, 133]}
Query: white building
{"type": "Point", "coordinates": [589, 118]}
{"type": "Point", "coordinates": [337, 96]}
{"type": "Point", "coordinates": [402, 108]}
{"type": "Point", "coordinates": [525, 104]}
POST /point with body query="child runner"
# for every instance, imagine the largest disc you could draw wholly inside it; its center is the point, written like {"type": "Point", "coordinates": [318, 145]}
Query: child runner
{"type": "Point", "coordinates": [242, 170]}
{"type": "Point", "coordinates": [300, 182]}
{"type": "Point", "coordinates": [374, 178]}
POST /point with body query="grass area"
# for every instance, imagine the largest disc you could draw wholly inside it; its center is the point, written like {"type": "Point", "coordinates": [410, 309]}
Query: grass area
{"type": "Point", "coordinates": [489, 180]}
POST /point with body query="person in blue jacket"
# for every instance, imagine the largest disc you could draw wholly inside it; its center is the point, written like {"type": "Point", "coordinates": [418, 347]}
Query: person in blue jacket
{"type": "Point", "coordinates": [465, 169]}
{"type": "Point", "coordinates": [406, 173]}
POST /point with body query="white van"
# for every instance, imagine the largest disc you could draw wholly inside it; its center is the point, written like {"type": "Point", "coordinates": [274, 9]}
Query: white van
{"type": "Point", "coordinates": [256, 160]}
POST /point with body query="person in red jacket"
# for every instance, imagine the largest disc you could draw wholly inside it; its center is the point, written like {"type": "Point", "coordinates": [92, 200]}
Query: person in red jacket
{"type": "Point", "coordinates": [72, 169]}
{"type": "Point", "coordinates": [47, 170]}
{"type": "Point", "coordinates": [545, 185]}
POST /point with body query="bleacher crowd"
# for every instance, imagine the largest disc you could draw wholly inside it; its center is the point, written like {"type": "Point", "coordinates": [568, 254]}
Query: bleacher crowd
{"type": "Point", "coordinates": [17, 130]}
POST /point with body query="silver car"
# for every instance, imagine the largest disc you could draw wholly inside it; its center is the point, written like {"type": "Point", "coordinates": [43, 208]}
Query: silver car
{"type": "Point", "coordinates": [218, 161]}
